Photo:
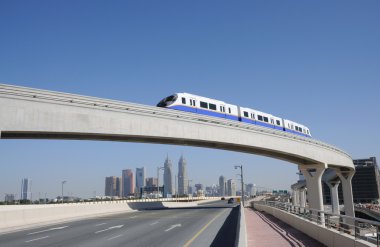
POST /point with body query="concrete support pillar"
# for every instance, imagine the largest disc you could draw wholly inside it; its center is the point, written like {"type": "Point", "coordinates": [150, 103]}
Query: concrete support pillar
{"type": "Point", "coordinates": [294, 196]}
{"type": "Point", "coordinates": [346, 178]}
{"type": "Point", "coordinates": [313, 175]}
{"type": "Point", "coordinates": [333, 185]}
{"type": "Point", "coordinates": [303, 197]}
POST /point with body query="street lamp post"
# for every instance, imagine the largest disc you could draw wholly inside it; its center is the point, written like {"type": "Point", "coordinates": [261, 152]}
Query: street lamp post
{"type": "Point", "coordinates": [63, 182]}
{"type": "Point", "coordinates": [158, 179]}
{"type": "Point", "coordinates": [242, 183]}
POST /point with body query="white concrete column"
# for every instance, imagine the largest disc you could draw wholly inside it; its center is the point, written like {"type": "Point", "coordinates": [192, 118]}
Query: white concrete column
{"type": "Point", "coordinates": [346, 178]}
{"type": "Point", "coordinates": [303, 197]}
{"type": "Point", "coordinates": [313, 175]}
{"type": "Point", "coordinates": [333, 185]}
{"type": "Point", "coordinates": [294, 197]}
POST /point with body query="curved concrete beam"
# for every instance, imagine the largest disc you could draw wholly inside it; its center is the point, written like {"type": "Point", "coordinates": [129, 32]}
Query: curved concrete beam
{"type": "Point", "coordinates": [38, 114]}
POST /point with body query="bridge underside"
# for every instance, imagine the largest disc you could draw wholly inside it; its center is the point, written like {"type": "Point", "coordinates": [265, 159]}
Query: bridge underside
{"type": "Point", "coordinates": [155, 140]}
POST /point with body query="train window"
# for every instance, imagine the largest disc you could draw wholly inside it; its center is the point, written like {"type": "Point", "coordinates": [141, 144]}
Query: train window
{"type": "Point", "coordinates": [204, 105]}
{"type": "Point", "coordinates": [221, 108]}
{"type": "Point", "coordinates": [260, 117]}
{"type": "Point", "coordinates": [300, 129]}
{"type": "Point", "coordinates": [212, 106]}
{"type": "Point", "coordinates": [308, 132]}
{"type": "Point", "coordinates": [297, 128]}
{"type": "Point", "coordinates": [278, 122]}
{"type": "Point", "coordinates": [272, 121]}
{"type": "Point", "coordinates": [252, 116]}
{"type": "Point", "coordinates": [183, 100]}
{"type": "Point", "coordinates": [266, 119]}
{"type": "Point", "coordinates": [229, 110]}
{"type": "Point", "coordinates": [245, 114]}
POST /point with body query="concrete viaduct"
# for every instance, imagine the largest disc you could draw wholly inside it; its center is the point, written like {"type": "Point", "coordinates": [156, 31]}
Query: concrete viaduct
{"type": "Point", "coordinates": [27, 113]}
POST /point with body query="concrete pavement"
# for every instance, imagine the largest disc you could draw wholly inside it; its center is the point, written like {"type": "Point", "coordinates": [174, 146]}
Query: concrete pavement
{"type": "Point", "coordinates": [165, 227]}
{"type": "Point", "coordinates": [264, 230]}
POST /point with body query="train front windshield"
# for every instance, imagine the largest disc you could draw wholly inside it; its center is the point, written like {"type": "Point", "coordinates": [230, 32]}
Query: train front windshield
{"type": "Point", "coordinates": [167, 101]}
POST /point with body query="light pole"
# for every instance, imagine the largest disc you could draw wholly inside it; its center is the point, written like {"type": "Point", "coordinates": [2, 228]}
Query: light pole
{"type": "Point", "coordinates": [242, 183]}
{"type": "Point", "coordinates": [63, 182]}
{"type": "Point", "coordinates": [158, 178]}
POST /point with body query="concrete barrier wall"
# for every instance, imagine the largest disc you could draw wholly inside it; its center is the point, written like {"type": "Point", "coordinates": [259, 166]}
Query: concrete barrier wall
{"type": "Point", "coordinates": [328, 237]}
{"type": "Point", "coordinates": [16, 217]}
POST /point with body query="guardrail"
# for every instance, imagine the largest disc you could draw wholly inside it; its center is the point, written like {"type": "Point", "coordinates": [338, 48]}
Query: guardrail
{"type": "Point", "coordinates": [360, 229]}
{"type": "Point", "coordinates": [113, 105]}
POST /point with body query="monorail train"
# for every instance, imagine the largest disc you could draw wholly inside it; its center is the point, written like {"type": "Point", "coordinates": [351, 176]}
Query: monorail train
{"type": "Point", "coordinates": [216, 108]}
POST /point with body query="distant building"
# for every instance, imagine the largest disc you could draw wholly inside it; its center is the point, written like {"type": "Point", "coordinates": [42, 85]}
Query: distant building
{"type": "Point", "coordinates": [151, 182]}
{"type": "Point", "coordinates": [222, 186]}
{"type": "Point", "coordinates": [249, 190]}
{"type": "Point", "coordinates": [198, 187]}
{"type": "Point", "coordinates": [128, 182]}
{"type": "Point", "coordinates": [9, 198]}
{"type": "Point", "coordinates": [140, 179]}
{"type": "Point", "coordinates": [26, 189]}
{"type": "Point", "coordinates": [168, 178]}
{"type": "Point", "coordinates": [182, 177]}
{"type": "Point", "coordinates": [365, 183]}
{"type": "Point", "coordinates": [231, 187]}
{"type": "Point", "coordinates": [112, 186]}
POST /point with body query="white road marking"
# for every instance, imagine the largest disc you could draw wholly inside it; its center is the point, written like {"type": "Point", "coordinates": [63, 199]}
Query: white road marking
{"type": "Point", "coordinates": [133, 217]}
{"type": "Point", "coordinates": [47, 230]}
{"type": "Point", "coordinates": [154, 223]}
{"type": "Point", "coordinates": [100, 224]}
{"type": "Point", "coordinates": [36, 239]}
{"type": "Point", "coordinates": [172, 227]}
{"type": "Point", "coordinates": [109, 228]}
{"type": "Point", "coordinates": [115, 237]}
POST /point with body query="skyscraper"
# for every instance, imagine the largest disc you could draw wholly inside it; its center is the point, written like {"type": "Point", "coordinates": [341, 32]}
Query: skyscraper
{"type": "Point", "coordinates": [168, 178]}
{"type": "Point", "coordinates": [112, 186]}
{"type": "Point", "coordinates": [26, 189]}
{"type": "Point", "coordinates": [231, 187]}
{"type": "Point", "coordinates": [182, 177]}
{"type": "Point", "coordinates": [128, 182]}
{"type": "Point", "coordinates": [222, 186]}
{"type": "Point", "coordinates": [140, 178]}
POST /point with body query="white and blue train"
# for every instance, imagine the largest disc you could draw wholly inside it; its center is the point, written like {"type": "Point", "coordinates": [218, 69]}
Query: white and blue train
{"type": "Point", "coordinates": [216, 108]}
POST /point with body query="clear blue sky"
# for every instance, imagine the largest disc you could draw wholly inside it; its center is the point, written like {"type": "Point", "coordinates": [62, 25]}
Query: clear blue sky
{"type": "Point", "coordinates": [315, 62]}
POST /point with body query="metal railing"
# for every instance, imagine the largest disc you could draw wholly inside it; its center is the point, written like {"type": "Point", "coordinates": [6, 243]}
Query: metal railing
{"type": "Point", "coordinates": [366, 230]}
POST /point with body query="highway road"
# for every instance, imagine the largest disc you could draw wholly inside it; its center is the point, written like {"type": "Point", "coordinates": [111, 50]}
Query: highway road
{"type": "Point", "coordinates": [165, 227]}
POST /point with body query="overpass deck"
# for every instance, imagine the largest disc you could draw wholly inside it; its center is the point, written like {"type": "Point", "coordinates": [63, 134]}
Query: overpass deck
{"type": "Point", "coordinates": [265, 230]}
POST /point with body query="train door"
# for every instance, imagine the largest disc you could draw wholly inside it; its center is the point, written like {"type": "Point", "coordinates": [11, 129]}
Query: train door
{"type": "Point", "coordinates": [223, 110]}
{"type": "Point", "coordinates": [193, 105]}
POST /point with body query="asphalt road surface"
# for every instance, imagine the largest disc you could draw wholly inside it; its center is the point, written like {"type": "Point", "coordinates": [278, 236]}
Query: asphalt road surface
{"type": "Point", "coordinates": [165, 227]}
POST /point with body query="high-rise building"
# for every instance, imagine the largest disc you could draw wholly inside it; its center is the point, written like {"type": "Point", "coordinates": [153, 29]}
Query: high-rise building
{"type": "Point", "coordinates": [128, 182]}
{"type": "Point", "coordinates": [26, 189]}
{"type": "Point", "coordinates": [168, 178]}
{"type": "Point", "coordinates": [222, 186]}
{"type": "Point", "coordinates": [231, 187]}
{"type": "Point", "coordinates": [249, 190]}
{"type": "Point", "coordinates": [9, 198]}
{"type": "Point", "coordinates": [112, 186]}
{"type": "Point", "coordinates": [151, 182]}
{"type": "Point", "coordinates": [198, 187]}
{"type": "Point", "coordinates": [140, 178]}
{"type": "Point", "coordinates": [182, 177]}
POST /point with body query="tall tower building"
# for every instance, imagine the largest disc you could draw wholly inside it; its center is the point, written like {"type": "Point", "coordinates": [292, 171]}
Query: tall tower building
{"type": "Point", "coordinates": [222, 186]}
{"type": "Point", "coordinates": [140, 179]}
{"type": "Point", "coordinates": [112, 186]}
{"type": "Point", "coordinates": [231, 187]}
{"type": "Point", "coordinates": [26, 189]}
{"type": "Point", "coordinates": [182, 177]}
{"type": "Point", "coordinates": [128, 182]}
{"type": "Point", "coordinates": [168, 178]}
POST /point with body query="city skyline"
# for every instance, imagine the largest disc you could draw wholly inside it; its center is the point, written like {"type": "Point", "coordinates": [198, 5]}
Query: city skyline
{"type": "Point", "coordinates": [314, 63]}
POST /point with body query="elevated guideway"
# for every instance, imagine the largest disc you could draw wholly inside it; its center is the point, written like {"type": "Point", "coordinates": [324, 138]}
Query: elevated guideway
{"type": "Point", "coordinates": [27, 113]}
